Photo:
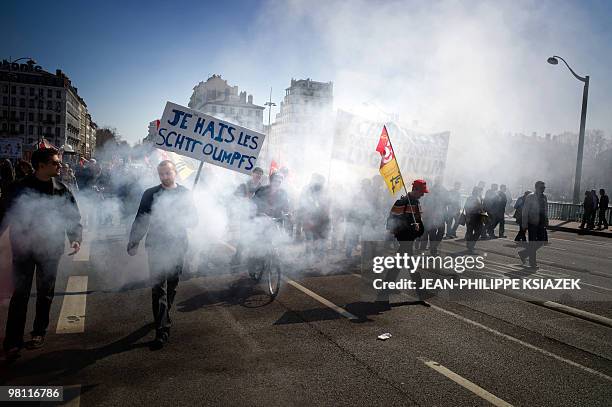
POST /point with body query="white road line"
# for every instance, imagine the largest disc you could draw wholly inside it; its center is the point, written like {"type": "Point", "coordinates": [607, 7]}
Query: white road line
{"type": "Point", "coordinates": [322, 300]}
{"type": "Point", "coordinates": [474, 388]}
{"type": "Point", "coordinates": [72, 314]}
{"type": "Point", "coordinates": [528, 345]}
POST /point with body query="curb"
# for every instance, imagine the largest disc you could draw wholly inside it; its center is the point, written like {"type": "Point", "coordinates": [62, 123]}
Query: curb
{"type": "Point", "coordinates": [580, 231]}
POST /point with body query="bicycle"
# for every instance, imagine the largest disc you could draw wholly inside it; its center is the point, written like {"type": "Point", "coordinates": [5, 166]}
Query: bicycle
{"type": "Point", "coordinates": [268, 265]}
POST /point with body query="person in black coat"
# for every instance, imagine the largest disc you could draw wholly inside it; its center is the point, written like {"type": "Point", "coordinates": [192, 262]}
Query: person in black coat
{"type": "Point", "coordinates": [604, 201]}
{"type": "Point", "coordinates": [40, 211]}
{"type": "Point", "coordinates": [164, 214]}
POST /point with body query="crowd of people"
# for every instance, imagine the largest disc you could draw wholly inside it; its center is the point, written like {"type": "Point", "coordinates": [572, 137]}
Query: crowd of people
{"type": "Point", "coordinates": [313, 216]}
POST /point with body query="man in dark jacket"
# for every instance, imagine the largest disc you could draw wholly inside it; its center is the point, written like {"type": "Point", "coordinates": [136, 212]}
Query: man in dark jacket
{"type": "Point", "coordinates": [604, 201]}
{"type": "Point", "coordinates": [40, 211]}
{"type": "Point", "coordinates": [164, 214]}
{"type": "Point", "coordinates": [406, 224]}
{"type": "Point", "coordinates": [588, 208]}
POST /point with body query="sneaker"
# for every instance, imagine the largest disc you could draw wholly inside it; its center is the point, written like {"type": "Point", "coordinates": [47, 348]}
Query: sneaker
{"type": "Point", "coordinates": [37, 342]}
{"type": "Point", "coordinates": [523, 257]}
{"type": "Point", "coordinates": [161, 338]}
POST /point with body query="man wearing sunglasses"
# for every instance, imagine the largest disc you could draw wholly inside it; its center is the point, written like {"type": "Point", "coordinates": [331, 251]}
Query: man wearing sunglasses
{"type": "Point", "coordinates": [39, 212]}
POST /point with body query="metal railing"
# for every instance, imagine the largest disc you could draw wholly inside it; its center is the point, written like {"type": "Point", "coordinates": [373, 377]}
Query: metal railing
{"type": "Point", "coordinates": [572, 212]}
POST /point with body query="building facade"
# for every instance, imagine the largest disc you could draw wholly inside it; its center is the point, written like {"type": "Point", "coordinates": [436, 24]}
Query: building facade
{"type": "Point", "coordinates": [216, 98]}
{"type": "Point", "coordinates": [303, 129]}
{"type": "Point", "coordinates": [38, 105]}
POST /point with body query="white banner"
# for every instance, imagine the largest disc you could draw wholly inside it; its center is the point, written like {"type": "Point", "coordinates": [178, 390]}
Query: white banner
{"type": "Point", "coordinates": [194, 134]}
{"type": "Point", "coordinates": [418, 155]}
{"type": "Point", "coordinates": [10, 148]}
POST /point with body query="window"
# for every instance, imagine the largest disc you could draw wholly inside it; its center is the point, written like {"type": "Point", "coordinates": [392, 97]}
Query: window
{"type": "Point", "coordinates": [40, 130]}
{"type": "Point", "coordinates": [49, 105]}
{"type": "Point", "coordinates": [58, 118]}
{"type": "Point", "coordinates": [12, 127]}
{"type": "Point", "coordinates": [40, 117]}
{"type": "Point", "coordinates": [57, 132]}
{"type": "Point", "coordinates": [22, 102]}
{"type": "Point", "coordinates": [31, 104]}
{"type": "Point", "coordinates": [4, 126]}
{"type": "Point", "coordinates": [40, 104]}
{"type": "Point", "coordinates": [30, 129]}
{"type": "Point", "coordinates": [13, 90]}
{"type": "Point", "coordinates": [49, 119]}
{"type": "Point", "coordinates": [5, 88]}
{"type": "Point", "coordinates": [4, 100]}
{"type": "Point", "coordinates": [48, 130]}
{"type": "Point", "coordinates": [21, 90]}
{"type": "Point", "coordinates": [31, 117]}
{"type": "Point", "coordinates": [21, 129]}
{"type": "Point", "coordinates": [58, 94]}
{"type": "Point", "coordinates": [13, 101]}
{"type": "Point", "coordinates": [40, 92]}
{"type": "Point", "coordinates": [49, 93]}
{"type": "Point", "coordinates": [21, 115]}
{"type": "Point", "coordinates": [31, 91]}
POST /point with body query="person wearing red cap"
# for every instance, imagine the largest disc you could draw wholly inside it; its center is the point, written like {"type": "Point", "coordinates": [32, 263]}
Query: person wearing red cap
{"type": "Point", "coordinates": [406, 225]}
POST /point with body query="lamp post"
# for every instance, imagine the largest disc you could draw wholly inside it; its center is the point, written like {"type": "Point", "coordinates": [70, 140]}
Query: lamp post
{"type": "Point", "coordinates": [554, 60]}
{"type": "Point", "coordinates": [269, 103]}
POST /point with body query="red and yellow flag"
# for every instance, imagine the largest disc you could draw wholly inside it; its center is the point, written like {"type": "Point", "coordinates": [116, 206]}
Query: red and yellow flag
{"type": "Point", "coordinates": [389, 169]}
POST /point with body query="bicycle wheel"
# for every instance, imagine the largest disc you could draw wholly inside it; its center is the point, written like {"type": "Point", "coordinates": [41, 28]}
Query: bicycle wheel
{"type": "Point", "coordinates": [273, 274]}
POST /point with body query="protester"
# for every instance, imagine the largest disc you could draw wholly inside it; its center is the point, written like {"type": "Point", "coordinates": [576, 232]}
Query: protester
{"type": "Point", "coordinates": [314, 215]}
{"type": "Point", "coordinates": [588, 208]}
{"type": "Point", "coordinates": [474, 210]}
{"type": "Point", "coordinates": [434, 215]}
{"type": "Point", "coordinates": [604, 201]}
{"type": "Point", "coordinates": [247, 189]}
{"type": "Point", "coordinates": [67, 177]}
{"type": "Point", "coordinates": [453, 210]}
{"type": "Point", "coordinates": [164, 214]}
{"type": "Point", "coordinates": [406, 225]}
{"type": "Point", "coordinates": [491, 206]}
{"type": "Point", "coordinates": [595, 207]}
{"type": "Point", "coordinates": [23, 169]}
{"type": "Point", "coordinates": [271, 200]}
{"type": "Point", "coordinates": [500, 212]}
{"type": "Point", "coordinates": [7, 176]}
{"type": "Point", "coordinates": [535, 221]}
{"type": "Point", "coordinates": [518, 216]}
{"type": "Point", "coordinates": [40, 211]}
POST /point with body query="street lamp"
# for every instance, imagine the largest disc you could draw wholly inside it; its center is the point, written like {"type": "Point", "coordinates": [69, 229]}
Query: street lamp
{"type": "Point", "coordinates": [554, 60]}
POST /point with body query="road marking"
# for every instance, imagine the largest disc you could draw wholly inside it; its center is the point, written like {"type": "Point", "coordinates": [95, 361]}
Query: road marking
{"type": "Point", "coordinates": [322, 300]}
{"type": "Point", "coordinates": [72, 314]}
{"type": "Point", "coordinates": [465, 383]}
{"type": "Point", "coordinates": [520, 342]}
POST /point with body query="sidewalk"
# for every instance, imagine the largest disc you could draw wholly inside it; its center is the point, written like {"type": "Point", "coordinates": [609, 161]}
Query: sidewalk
{"type": "Point", "coordinates": [569, 226]}
{"type": "Point", "coordinates": [573, 227]}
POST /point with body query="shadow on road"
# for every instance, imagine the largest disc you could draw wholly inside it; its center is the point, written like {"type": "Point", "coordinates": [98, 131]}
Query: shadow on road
{"type": "Point", "coordinates": [62, 364]}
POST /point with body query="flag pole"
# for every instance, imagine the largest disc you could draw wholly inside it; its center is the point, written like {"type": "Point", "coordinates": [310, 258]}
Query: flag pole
{"type": "Point", "coordinates": [400, 173]}
{"type": "Point", "coordinates": [195, 182]}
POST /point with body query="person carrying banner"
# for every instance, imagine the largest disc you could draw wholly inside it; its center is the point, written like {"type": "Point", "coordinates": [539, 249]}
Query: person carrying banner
{"type": "Point", "coordinates": [164, 214]}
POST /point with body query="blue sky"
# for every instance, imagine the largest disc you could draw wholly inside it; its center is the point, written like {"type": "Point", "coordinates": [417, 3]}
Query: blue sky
{"type": "Point", "coordinates": [447, 65]}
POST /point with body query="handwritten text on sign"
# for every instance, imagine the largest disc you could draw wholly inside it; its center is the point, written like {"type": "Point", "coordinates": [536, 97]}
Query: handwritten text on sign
{"type": "Point", "coordinates": [195, 134]}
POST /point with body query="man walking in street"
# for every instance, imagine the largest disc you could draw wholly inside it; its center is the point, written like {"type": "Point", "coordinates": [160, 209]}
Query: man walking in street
{"type": "Point", "coordinates": [39, 212]}
{"type": "Point", "coordinates": [535, 220]}
{"type": "Point", "coordinates": [454, 211]}
{"type": "Point", "coordinates": [587, 210]}
{"type": "Point", "coordinates": [406, 224]}
{"type": "Point", "coordinates": [604, 201]}
{"type": "Point", "coordinates": [164, 214]}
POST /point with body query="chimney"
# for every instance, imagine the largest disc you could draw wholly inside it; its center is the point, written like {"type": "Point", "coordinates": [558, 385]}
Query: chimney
{"type": "Point", "coordinates": [250, 99]}
{"type": "Point", "coordinates": [59, 73]}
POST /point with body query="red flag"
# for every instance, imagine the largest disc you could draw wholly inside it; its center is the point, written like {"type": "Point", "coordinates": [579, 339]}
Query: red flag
{"type": "Point", "coordinates": [384, 148]}
{"type": "Point", "coordinates": [273, 167]}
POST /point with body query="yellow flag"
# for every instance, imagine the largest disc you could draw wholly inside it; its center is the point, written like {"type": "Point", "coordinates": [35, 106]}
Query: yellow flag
{"type": "Point", "coordinates": [389, 169]}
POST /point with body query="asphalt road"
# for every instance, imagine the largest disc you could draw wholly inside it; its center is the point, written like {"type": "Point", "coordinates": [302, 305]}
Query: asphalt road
{"type": "Point", "coordinates": [316, 343]}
